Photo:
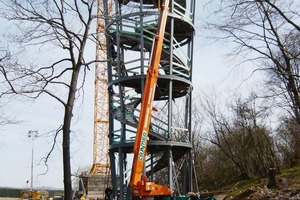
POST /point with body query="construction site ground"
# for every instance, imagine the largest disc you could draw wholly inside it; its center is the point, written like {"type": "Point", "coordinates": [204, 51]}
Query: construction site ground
{"type": "Point", "coordinates": [256, 189]}
{"type": "Point", "coordinates": [265, 194]}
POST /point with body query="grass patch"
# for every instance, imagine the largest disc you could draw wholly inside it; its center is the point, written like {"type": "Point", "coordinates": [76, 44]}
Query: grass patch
{"type": "Point", "coordinates": [244, 185]}
{"type": "Point", "coordinates": [292, 176]}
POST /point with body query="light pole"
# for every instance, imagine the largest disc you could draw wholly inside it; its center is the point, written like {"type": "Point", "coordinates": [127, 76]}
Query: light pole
{"type": "Point", "coordinates": [32, 135]}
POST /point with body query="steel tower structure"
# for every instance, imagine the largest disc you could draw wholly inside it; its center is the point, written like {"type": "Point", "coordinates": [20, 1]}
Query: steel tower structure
{"type": "Point", "coordinates": [130, 33]}
{"type": "Point", "coordinates": [98, 179]}
{"type": "Point", "coordinates": [100, 139]}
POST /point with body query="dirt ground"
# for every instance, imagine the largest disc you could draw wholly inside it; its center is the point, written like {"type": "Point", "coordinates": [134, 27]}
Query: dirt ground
{"type": "Point", "coordinates": [268, 194]}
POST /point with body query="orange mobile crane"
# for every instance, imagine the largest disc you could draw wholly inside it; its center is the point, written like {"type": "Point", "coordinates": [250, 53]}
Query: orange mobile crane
{"type": "Point", "coordinates": [141, 186]}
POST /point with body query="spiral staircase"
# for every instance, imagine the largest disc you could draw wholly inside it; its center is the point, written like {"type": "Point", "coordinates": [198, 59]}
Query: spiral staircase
{"type": "Point", "coordinates": [130, 34]}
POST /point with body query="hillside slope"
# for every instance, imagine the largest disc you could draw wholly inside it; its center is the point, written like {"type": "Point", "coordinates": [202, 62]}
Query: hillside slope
{"type": "Point", "coordinates": [288, 187]}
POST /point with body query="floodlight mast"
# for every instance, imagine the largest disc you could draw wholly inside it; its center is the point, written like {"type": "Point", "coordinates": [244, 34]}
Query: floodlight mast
{"type": "Point", "coordinates": [32, 135]}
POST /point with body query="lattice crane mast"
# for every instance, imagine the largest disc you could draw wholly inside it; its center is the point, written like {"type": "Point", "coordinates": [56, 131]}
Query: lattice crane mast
{"type": "Point", "coordinates": [101, 123]}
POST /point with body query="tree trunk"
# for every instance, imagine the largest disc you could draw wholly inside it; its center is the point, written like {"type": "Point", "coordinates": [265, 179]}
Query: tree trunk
{"type": "Point", "coordinates": [272, 180]}
{"type": "Point", "coordinates": [66, 134]}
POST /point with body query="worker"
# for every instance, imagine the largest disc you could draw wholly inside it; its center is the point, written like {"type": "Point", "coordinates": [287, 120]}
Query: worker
{"type": "Point", "coordinates": [108, 192]}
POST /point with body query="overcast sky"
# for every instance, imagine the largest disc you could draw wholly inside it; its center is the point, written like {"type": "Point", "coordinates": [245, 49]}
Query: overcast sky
{"type": "Point", "coordinates": [210, 71]}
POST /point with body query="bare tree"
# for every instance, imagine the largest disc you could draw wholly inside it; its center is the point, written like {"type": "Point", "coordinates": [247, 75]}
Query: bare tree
{"type": "Point", "coordinates": [288, 142]}
{"type": "Point", "coordinates": [242, 136]}
{"type": "Point", "coordinates": [265, 35]}
{"type": "Point", "coordinates": [54, 35]}
{"type": "Point", "coordinates": [5, 119]}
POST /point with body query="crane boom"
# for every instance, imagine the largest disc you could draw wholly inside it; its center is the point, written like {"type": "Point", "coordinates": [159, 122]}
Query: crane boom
{"type": "Point", "coordinates": [140, 185]}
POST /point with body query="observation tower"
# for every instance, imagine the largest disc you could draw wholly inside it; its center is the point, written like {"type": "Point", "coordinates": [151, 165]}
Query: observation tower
{"type": "Point", "coordinates": [130, 31]}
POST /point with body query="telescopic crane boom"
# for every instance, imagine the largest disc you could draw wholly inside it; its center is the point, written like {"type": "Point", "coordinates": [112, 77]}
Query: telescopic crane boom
{"type": "Point", "coordinates": [141, 186]}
